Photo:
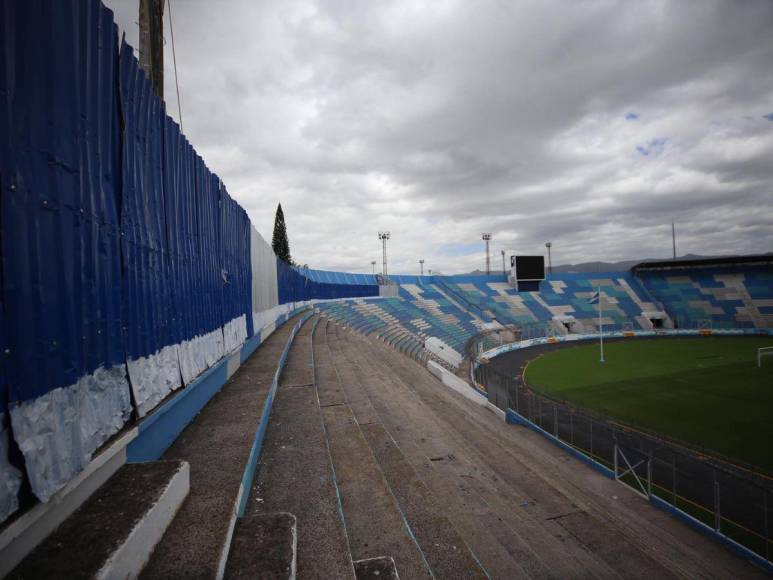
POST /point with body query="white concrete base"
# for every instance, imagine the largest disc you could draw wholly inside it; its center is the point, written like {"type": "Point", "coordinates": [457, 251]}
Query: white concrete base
{"type": "Point", "coordinates": [294, 564]}
{"type": "Point", "coordinates": [497, 411]}
{"type": "Point", "coordinates": [130, 557]}
{"type": "Point", "coordinates": [443, 351]}
{"type": "Point", "coordinates": [226, 549]}
{"type": "Point", "coordinates": [34, 526]}
{"type": "Point", "coordinates": [455, 383]}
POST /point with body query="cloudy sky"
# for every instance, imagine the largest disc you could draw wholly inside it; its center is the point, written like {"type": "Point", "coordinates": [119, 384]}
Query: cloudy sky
{"type": "Point", "coordinates": [592, 124]}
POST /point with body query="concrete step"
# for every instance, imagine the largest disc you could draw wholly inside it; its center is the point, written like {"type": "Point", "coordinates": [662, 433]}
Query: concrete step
{"type": "Point", "coordinates": [375, 525]}
{"type": "Point", "coordinates": [443, 547]}
{"type": "Point", "coordinates": [263, 546]}
{"type": "Point", "coordinates": [113, 534]}
{"type": "Point", "coordinates": [382, 568]}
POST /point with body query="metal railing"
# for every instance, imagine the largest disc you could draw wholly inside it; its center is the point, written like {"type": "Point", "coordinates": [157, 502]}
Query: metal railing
{"type": "Point", "coordinates": [728, 498]}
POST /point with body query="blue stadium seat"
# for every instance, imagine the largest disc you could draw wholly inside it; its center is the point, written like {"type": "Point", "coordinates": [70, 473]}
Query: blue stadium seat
{"type": "Point", "coordinates": [718, 296]}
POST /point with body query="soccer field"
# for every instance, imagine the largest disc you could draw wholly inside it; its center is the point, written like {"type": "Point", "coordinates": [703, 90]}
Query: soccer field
{"type": "Point", "coordinates": [707, 391]}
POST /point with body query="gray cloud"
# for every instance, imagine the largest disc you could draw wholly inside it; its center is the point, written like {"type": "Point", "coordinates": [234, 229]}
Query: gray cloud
{"type": "Point", "coordinates": [441, 120]}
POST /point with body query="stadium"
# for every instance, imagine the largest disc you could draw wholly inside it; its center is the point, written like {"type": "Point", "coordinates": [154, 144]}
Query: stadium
{"type": "Point", "coordinates": [177, 401]}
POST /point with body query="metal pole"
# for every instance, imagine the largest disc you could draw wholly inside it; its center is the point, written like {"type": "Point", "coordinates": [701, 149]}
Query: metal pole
{"type": "Point", "coordinates": [373, 263]}
{"type": "Point", "coordinates": [591, 437]}
{"type": "Point", "coordinates": [717, 515]}
{"type": "Point", "coordinates": [673, 237]}
{"type": "Point", "coordinates": [615, 460]}
{"type": "Point", "coordinates": [504, 270]}
{"type": "Point", "coordinates": [151, 24]}
{"type": "Point", "coordinates": [673, 466]}
{"type": "Point", "coordinates": [384, 236]}
{"type": "Point", "coordinates": [549, 245]}
{"type": "Point", "coordinates": [487, 239]}
{"type": "Point", "coordinates": [649, 476]}
{"type": "Point", "coordinates": [421, 264]}
{"type": "Point", "coordinates": [765, 509]}
{"type": "Point", "coordinates": [601, 329]}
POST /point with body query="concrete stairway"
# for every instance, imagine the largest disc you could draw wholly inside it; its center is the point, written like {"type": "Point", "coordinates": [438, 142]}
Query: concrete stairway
{"type": "Point", "coordinates": [389, 512]}
{"type": "Point", "coordinates": [113, 534]}
{"type": "Point", "coordinates": [295, 475]}
{"type": "Point", "coordinates": [217, 445]}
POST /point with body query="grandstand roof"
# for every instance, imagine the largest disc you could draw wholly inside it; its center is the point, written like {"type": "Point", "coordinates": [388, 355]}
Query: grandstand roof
{"type": "Point", "coordinates": [706, 262]}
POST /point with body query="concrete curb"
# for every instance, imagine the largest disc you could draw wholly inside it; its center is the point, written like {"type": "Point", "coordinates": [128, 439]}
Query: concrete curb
{"type": "Point", "coordinates": [720, 538]}
{"type": "Point", "coordinates": [130, 557]}
{"type": "Point", "coordinates": [497, 411]}
{"type": "Point", "coordinates": [456, 384]}
{"type": "Point", "coordinates": [31, 528]}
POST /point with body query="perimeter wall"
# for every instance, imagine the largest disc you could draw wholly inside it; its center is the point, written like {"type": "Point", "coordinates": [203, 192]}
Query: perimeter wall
{"type": "Point", "coordinates": [127, 267]}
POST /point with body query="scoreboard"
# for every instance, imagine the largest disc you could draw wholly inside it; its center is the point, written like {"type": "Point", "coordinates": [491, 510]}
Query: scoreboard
{"type": "Point", "coordinates": [528, 269]}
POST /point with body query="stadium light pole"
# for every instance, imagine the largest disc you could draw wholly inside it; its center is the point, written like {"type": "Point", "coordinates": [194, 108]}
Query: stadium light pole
{"type": "Point", "coordinates": [384, 236]}
{"type": "Point", "coordinates": [421, 265]}
{"type": "Point", "coordinates": [487, 239]}
{"type": "Point", "coordinates": [373, 263]}
{"type": "Point", "coordinates": [504, 271]}
{"type": "Point", "coordinates": [549, 245]}
{"type": "Point", "coordinates": [601, 328]}
{"type": "Point", "coordinates": [673, 237]}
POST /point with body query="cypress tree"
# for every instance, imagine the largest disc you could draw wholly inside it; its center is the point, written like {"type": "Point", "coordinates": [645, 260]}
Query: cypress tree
{"type": "Point", "coordinates": [279, 242]}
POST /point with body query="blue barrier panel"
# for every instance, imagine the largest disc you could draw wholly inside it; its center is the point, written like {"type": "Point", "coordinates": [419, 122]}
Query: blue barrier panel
{"type": "Point", "coordinates": [237, 272]}
{"type": "Point", "coordinates": [150, 347]}
{"type": "Point", "coordinates": [60, 235]}
{"type": "Point", "coordinates": [296, 287]}
{"type": "Point", "coordinates": [180, 204]}
{"type": "Point", "coordinates": [516, 419]}
{"type": "Point", "coordinates": [196, 316]}
{"type": "Point", "coordinates": [719, 537]}
{"type": "Point", "coordinates": [208, 205]}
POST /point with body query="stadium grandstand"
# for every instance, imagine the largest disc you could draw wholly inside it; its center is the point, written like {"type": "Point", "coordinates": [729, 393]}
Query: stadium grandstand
{"type": "Point", "coordinates": [732, 292]}
{"type": "Point", "coordinates": [177, 402]}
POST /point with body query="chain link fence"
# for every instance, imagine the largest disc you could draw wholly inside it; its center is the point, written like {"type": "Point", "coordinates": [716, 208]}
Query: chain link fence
{"type": "Point", "coordinates": [730, 499]}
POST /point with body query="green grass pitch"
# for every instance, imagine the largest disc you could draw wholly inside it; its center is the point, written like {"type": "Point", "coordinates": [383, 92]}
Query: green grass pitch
{"type": "Point", "coordinates": [706, 391]}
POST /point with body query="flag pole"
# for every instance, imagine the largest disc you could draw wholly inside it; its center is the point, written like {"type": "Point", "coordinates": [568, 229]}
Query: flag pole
{"type": "Point", "coordinates": [601, 328]}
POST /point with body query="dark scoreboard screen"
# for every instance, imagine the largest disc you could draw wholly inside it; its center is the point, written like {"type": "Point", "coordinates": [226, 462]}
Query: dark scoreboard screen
{"type": "Point", "coordinates": [530, 267]}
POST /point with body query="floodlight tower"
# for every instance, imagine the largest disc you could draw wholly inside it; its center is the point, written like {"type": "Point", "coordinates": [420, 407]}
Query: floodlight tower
{"type": "Point", "coordinates": [504, 270]}
{"type": "Point", "coordinates": [373, 264]}
{"type": "Point", "coordinates": [549, 245]}
{"type": "Point", "coordinates": [384, 236]}
{"type": "Point", "coordinates": [487, 239]}
{"type": "Point", "coordinates": [421, 265]}
{"type": "Point", "coordinates": [673, 237]}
